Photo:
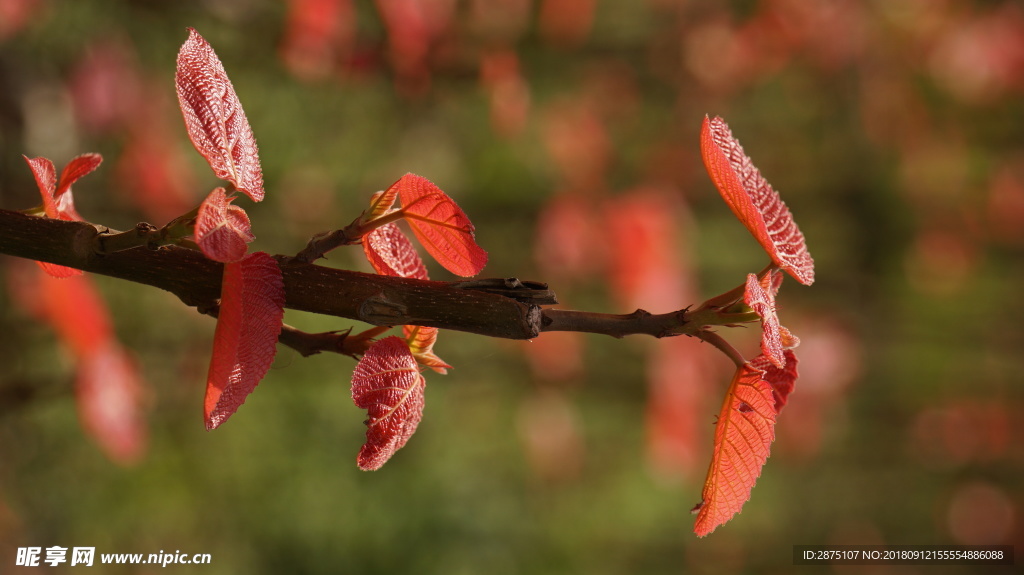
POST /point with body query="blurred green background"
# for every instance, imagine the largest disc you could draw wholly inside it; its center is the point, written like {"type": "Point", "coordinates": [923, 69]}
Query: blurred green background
{"type": "Point", "coordinates": [893, 130]}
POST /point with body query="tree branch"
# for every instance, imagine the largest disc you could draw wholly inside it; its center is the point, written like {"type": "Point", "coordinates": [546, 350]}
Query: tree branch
{"type": "Point", "coordinates": [507, 308]}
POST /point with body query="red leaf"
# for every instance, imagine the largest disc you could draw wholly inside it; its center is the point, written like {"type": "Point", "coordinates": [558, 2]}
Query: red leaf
{"type": "Point", "coordinates": [743, 436]}
{"type": "Point", "coordinates": [754, 201]}
{"type": "Point", "coordinates": [58, 203]}
{"type": "Point", "coordinates": [392, 254]}
{"type": "Point", "coordinates": [46, 179]}
{"type": "Point", "coordinates": [222, 230]}
{"type": "Point", "coordinates": [214, 117]}
{"type": "Point", "coordinates": [421, 340]}
{"type": "Point", "coordinates": [441, 226]}
{"type": "Point", "coordinates": [389, 386]}
{"type": "Point", "coordinates": [381, 202]}
{"type": "Point", "coordinates": [782, 379]}
{"type": "Point", "coordinates": [245, 342]}
{"type": "Point", "coordinates": [109, 397]}
{"type": "Point", "coordinates": [760, 296]}
{"type": "Point", "coordinates": [78, 166]}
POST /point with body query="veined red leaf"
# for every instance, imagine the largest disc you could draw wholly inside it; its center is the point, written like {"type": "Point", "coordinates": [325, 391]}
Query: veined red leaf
{"type": "Point", "coordinates": [245, 342]}
{"type": "Point", "coordinates": [109, 397]}
{"type": "Point", "coordinates": [754, 201]}
{"type": "Point", "coordinates": [743, 436]}
{"type": "Point", "coordinates": [392, 254]}
{"type": "Point", "coordinates": [214, 117]}
{"type": "Point", "coordinates": [760, 296]}
{"type": "Point", "coordinates": [222, 229]}
{"type": "Point", "coordinates": [441, 226]}
{"type": "Point", "coordinates": [389, 386]}
{"type": "Point", "coordinates": [782, 379]}
{"type": "Point", "coordinates": [421, 340]}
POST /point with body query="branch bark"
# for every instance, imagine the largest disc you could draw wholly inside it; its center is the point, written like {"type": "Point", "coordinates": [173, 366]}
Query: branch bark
{"type": "Point", "coordinates": [473, 306]}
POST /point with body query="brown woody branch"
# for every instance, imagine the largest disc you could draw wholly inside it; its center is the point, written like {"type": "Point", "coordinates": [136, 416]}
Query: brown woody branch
{"type": "Point", "coordinates": [479, 306]}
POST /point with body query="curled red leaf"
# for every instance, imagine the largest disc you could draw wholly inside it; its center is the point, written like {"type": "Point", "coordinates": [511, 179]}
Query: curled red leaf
{"type": "Point", "coordinates": [760, 296]}
{"type": "Point", "coordinates": [245, 342]}
{"type": "Point", "coordinates": [389, 386]}
{"type": "Point", "coordinates": [441, 226]}
{"type": "Point", "coordinates": [392, 254]}
{"type": "Point", "coordinates": [222, 229]}
{"type": "Point", "coordinates": [743, 436]}
{"type": "Point", "coordinates": [754, 201]}
{"type": "Point", "coordinates": [214, 117]}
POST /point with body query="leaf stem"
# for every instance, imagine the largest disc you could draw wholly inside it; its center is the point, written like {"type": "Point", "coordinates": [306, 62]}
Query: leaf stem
{"type": "Point", "coordinates": [734, 295]}
{"type": "Point", "coordinates": [722, 345]}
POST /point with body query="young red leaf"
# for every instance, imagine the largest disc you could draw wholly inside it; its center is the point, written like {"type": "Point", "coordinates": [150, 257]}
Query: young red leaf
{"type": "Point", "coordinates": [78, 166]}
{"type": "Point", "coordinates": [392, 254]}
{"type": "Point", "coordinates": [754, 201]}
{"type": "Point", "coordinates": [743, 436]}
{"type": "Point", "coordinates": [760, 296]}
{"type": "Point", "coordinates": [441, 226]}
{"type": "Point", "coordinates": [109, 397]}
{"type": "Point", "coordinates": [58, 202]}
{"type": "Point", "coordinates": [421, 340]}
{"type": "Point", "coordinates": [214, 117]}
{"type": "Point", "coordinates": [46, 179]}
{"type": "Point", "coordinates": [381, 202]}
{"type": "Point", "coordinates": [251, 313]}
{"type": "Point", "coordinates": [222, 229]}
{"type": "Point", "coordinates": [789, 341]}
{"type": "Point", "coordinates": [389, 386]}
{"type": "Point", "coordinates": [782, 379]}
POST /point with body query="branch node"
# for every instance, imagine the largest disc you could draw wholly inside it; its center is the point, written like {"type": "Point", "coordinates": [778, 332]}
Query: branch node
{"type": "Point", "coordinates": [379, 310]}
